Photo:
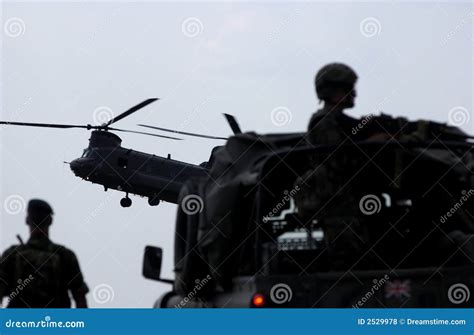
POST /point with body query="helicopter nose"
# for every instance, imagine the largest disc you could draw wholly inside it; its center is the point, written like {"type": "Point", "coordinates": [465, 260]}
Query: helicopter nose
{"type": "Point", "coordinates": [80, 167]}
{"type": "Point", "coordinates": [75, 166]}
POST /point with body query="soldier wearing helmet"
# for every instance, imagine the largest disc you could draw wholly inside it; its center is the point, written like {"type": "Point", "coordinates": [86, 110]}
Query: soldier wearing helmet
{"type": "Point", "coordinates": [326, 194]}
{"type": "Point", "coordinates": [335, 86]}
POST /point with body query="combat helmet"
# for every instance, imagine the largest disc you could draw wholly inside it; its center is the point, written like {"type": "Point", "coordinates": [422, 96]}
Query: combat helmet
{"type": "Point", "coordinates": [334, 75]}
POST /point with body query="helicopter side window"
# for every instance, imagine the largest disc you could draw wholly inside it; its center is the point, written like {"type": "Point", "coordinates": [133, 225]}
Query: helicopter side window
{"type": "Point", "coordinates": [87, 153]}
{"type": "Point", "coordinates": [122, 162]}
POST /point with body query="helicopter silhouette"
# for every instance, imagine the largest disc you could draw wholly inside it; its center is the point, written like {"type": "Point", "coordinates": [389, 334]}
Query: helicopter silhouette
{"type": "Point", "coordinates": [107, 163]}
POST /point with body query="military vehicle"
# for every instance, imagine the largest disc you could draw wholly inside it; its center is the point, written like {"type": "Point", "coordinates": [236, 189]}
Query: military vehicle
{"type": "Point", "coordinates": [240, 240]}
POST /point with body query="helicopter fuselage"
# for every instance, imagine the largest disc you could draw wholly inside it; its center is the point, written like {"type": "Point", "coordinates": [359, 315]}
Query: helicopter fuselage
{"type": "Point", "coordinates": [107, 163]}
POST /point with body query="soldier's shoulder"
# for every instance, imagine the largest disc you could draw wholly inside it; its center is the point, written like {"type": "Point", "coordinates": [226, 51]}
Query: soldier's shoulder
{"type": "Point", "coordinates": [10, 251]}
{"type": "Point", "coordinates": [322, 119]}
{"type": "Point", "coordinates": [63, 250]}
{"type": "Point", "coordinates": [320, 113]}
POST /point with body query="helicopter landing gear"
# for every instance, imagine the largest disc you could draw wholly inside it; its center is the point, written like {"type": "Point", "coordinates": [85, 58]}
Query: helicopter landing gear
{"type": "Point", "coordinates": [126, 202]}
{"type": "Point", "coordinates": [153, 201]}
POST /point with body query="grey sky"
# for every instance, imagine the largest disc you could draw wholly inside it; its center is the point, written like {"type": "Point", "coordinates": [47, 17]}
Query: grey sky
{"type": "Point", "coordinates": [61, 62]}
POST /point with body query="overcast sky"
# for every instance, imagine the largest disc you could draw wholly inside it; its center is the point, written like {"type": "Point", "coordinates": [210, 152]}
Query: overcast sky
{"type": "Point", "coordinates": [80, 62]}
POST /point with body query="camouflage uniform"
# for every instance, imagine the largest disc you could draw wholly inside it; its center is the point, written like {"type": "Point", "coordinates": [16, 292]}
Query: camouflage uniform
{"type": "Point", "coordinates": [327, 194]}
{"type": "Point", "coordinates": [329, 126]}
{"type": "Point", "coordinates": [40, 273]}
{"type": "Point", "coordinates": [45, 271]}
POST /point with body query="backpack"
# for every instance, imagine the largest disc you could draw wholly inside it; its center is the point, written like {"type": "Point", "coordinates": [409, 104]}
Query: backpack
{"type": "Point", "coordinates": [37, 273]}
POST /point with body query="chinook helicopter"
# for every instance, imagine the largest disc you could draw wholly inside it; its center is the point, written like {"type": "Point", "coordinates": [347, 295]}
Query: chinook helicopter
{"type": "Point", "coordinates": [107, 163]}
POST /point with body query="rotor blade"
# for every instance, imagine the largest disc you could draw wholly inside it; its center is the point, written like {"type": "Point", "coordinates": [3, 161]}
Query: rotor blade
{"type": "Point", "coordinates": [130, 111]}
{"type": "Point", "coordinates": [233, 123]}
{"type": "Point", "coordinates": [45, 125]}
{"type": "Point", "coordinates": [143, 133]}
{"type": "Point", "coordinates": [183, 132]}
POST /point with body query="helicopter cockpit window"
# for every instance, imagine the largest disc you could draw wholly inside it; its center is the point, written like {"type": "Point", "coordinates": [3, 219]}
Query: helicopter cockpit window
{"type": "Point", "coordinates": [85, 153]}
{"type": "Point", "coordinates": [122, 162]}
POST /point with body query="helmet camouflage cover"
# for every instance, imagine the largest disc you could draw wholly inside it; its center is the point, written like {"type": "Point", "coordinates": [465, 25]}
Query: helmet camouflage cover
{"type": "Point", "coordinates": [334, 75]}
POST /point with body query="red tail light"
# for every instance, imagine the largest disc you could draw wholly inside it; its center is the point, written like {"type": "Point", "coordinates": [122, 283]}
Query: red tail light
{"type": "Point", "coordinates": [258, 300]}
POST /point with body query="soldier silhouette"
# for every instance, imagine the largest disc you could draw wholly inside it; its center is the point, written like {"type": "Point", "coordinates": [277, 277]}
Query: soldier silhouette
{"type": "Point", "coordinates": [40, 273]}
{"type": "Point", "coordinates": [326, 192]}
{"type": "Point", "coordinates": [335, 86]}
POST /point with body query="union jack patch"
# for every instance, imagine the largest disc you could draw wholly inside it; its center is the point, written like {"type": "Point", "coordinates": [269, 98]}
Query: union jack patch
{"type": "Point", "coordinates": [397, 289]}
